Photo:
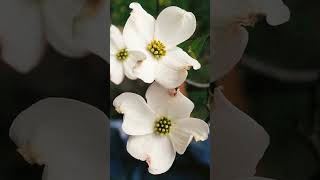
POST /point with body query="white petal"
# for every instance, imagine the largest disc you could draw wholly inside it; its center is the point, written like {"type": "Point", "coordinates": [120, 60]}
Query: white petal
{"type": "Point", "coordinates": [183, 130]}
{"type": "Point", "coordinates": [138, 31]}
{"type": "Point", "coordinates": [91, 31]}
{"type": "Point", "coordinates": [116, 40]}
{"type": "Point", "coordinates": [178, 59]}
{"type": "Point", "coordinates": [228, 47]}
{"type": "Point", "coordinates": [60, 26]}
{"type": "Point", "coordinates": [238, 141]}
{"type": "Point", "coordinates": [170, 77]}
{"type": "Point", "coordinates": [22, 38]}
{"type": "Point", "coordinates": [174, 26]}
{"type": "Point", "coordinates": [116, 70]}
{"type": "Point", "coordinates": [145, 70]}
{"type": "Point", "coordinates": [164, 103]}
{"type": "Point", "coordinates": [134, 58]}
{"type": "Point", "coordinates": [65, 135]}
{"type": "Point", "coordinates": [275, 10]}
{"type": "Point", "coordinates": [138, 118]}
{"type": "Point", "coordinates": [156, 150]}
{"type": "Point", "coordinates": [227, 12]}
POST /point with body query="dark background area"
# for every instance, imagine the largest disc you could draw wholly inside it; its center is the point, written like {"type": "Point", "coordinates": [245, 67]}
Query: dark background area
{"type": "Point", "coordinates": [84, 79]}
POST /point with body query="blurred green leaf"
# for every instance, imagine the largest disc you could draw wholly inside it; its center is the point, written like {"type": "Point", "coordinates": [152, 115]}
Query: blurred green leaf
{"type": "Point", "coordinates": [195, 47]}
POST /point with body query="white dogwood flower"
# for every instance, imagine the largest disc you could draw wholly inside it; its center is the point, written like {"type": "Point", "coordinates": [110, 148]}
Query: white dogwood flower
{"type": "Point", "coordinates": [74, 28]}
{"type": "Point", "coordinates": [160, 126]}
{"type": "Point", "coordinates": [158, 38]}
{"type": "Point", "coordinates": [122, 60]}
{"type": "Point", "coordinates": [68, 137]}
{"type": "Point", "coordinates": [229, 36]}
{"type": "Point", "coordinates": [238, 141]}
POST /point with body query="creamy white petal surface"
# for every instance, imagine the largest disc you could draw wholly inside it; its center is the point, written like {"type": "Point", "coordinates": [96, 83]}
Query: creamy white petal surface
{"type": "Point", "coordinates": [139, 28]}
{"type": "Point", "coordinates": [116, 70]}
{"type": "Point", "coordinates": [170, 77]}
{"type": "Point", "coordinates": [156, 150]}
{"type": "Point", "coordinates": [129, 65]}
{"type": "Point", "coordinates": [192, 127]}
{"type": "Point", "coordinates": [228, 48]}
{"type": "Point", "coordinates": [229, 35]}
{"type": "Point", "coordinates": [162, 133]}
{"type": "Point", "coordinates": [146, 70]}
{"type": "Point", "coordinates": [91, 29]}
{"type": "Point", "coordinates": [138, 118]}
{"type": "Point", "coordinates": [178, 59]}
{"type": "Point", "coordinates": [164, 103]}
{"type": "Point", "coordinates": [238, 141]}
{"type": "Point", "coordinates": [122, 67]}
{"type": "Point", "coordinates": [174, 26]}
{"type": "Point", "coordinates": [59, 27]}
{"type": "Point", "coordinates": [22, 38]}
{"type": "Point", "coordinates": [116, 40]}
{"type": "Point", "coordinates": [67, 136]}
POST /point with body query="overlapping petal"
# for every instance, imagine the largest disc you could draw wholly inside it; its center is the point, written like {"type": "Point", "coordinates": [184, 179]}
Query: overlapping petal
{"type": "Point", "coordinates": [167, 22]}
{"type": "Point", "coordinates": [156, 150]}
{"type": "Point", "coordinates": [116, 40]}
{"type": "Point", "coordinates": [170, 77]}
{"type": "Point", "coordinates": [116, 70]}
{"type": "Point", "coordinates": [91, 29]}
{"type": "Point", "coordinates": [138, 117]}
{"type": "Point", "coordinates": [164, 102]}
{"type": "Point", "coordinates": [129, 65]}
{"type": "Point", "coordinates": [229, 35]}
{"type": "Point", "coordinates": [139, 28]}
{"type": "Point", "coordinates": [228, 47]}
{"type": "Point", "coordinates": [238, 141]}
{"type": "Point", "coordinates": [67, 136]}
{"type": "Point", "coordinates": [184, 130]}
{"type": "Point", "coordinates": [59, 27]}
{"type": "Point", "coordinates": [177, 59]}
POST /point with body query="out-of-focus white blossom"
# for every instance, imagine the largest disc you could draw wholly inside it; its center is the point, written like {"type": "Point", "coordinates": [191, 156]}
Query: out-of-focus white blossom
{"type": "Point", "coordinates": [74, 28]}
{"type": "Point", "coordinates": [68, 137]}
{"type": "Point", "coordinates": [229, 36]}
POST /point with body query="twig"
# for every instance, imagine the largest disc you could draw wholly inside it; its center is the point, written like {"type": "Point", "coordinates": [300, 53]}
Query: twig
{"type": "Point", "coordinates": [198, 85]}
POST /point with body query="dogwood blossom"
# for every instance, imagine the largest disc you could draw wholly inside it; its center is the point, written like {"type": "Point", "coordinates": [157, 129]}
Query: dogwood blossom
{"type": "Point", "coordinates": [158, 38]}
{"type": "Point", "coordinates": [229, 36]}
{"type": "Point", "coordinates": [122, 60]}
{"type": "Point", "coordinates": [238, 141]}
{"type": "Point", "coordinates": [73, 27]}
{"type": "Point", "coordinates": [68, 137]}
{"type": "Point", "coordinates": [160, 126]}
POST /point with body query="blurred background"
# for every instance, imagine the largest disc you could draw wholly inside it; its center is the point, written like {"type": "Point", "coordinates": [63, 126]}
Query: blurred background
{"type": "Point", "coordinates": [278, 84]}
{"type": "Point", "coordinates": [83, 79]}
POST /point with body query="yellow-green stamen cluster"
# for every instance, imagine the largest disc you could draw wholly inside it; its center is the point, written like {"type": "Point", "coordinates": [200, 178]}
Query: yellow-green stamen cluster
{"type": "Point", "coordinates": [122, 54]}
{"type": "Point", "coordinates": [157, 49]}
{"type": "Point", "coordinates": [162, 126]}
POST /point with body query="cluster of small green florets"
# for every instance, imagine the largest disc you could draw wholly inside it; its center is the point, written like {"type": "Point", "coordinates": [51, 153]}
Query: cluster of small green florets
{"type": "Point", "coordinates": [122, 55]}
{"type": "Point", "coordinates": [157, 49]}
{"type": "Point", "coordinates": [162, 126]}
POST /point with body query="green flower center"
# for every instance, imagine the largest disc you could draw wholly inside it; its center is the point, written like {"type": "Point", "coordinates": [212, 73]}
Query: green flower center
{"type": "Point", "coordinates": [162, 126]}
{"type": "Point", "coordinates": [122, 54]}
{"type": "Point", "coordinates": [157, 49]}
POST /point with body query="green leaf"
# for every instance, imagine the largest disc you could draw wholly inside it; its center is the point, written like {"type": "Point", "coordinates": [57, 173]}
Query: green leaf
{"type": "Point", "coordinates": [194, 47]}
